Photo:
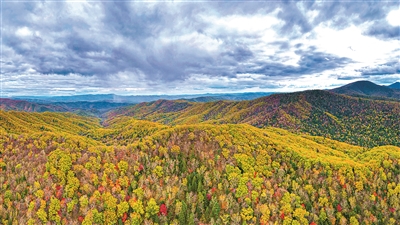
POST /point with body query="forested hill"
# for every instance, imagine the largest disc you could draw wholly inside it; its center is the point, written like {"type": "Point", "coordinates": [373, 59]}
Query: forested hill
{"type": "Point", "coordinates": [28, 122]}
{"type": "Point", "coordinates": [395, 85]}
{"type": "Point", "coordinates": [367, 88]}
{"type": "Point", "coordinates": [96, 108]}
{"type": "Point", "coordinates": [354, 120]}
{"type": "Point", "coordinates": [59, 168]}
{"type": "Point", "coordinates": [21, 105]}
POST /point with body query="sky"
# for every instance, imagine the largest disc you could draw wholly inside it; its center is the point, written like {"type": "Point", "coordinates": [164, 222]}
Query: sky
{"type": "Point", "coordinates": [189, 47]}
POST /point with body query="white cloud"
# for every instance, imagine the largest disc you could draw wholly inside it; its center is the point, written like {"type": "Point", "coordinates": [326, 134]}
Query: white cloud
{"type": "Point", "coordinates": [23, 32]}
{"type": "Point", "coordinates": [39, 84]}
{"type": "Point", "coordinates": [351, 43]}
{"type": "Point", "coordinates": [393, 17]}
{"type": "Point", "coordinates": [245, 25]}
{"type": "Point", "coordinates": [193, 40]}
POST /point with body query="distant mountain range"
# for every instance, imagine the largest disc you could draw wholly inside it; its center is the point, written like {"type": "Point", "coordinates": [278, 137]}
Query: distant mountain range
{"type": "Point", "coordinates": [96, 105]}
{"type": "Point", "coordinates": [341, 113]}
{"type": "Point", "coordinates": [359, 88]}
{"type": "Point", "coordinates": [143, 98]}
{"type": "Point", "coordinates": [21, 105]}
{"type": "Point", "coordinates": [369, 89]}
{"type": "Point", "coordinates": [80, 107]}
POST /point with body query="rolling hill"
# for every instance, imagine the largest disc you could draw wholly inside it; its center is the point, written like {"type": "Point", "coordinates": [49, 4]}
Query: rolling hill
{"type": "Point", "coordinates": [27, 122]}
{"type": "Point", "coordinates": [367, 88]}
{"type": "Point", "coordinates": [355, 120]}
{"type": "Point", "coordinates": [349, 119]}
{"type": "Point", "coordinates": [96, 108]}
{"type": "Point", "coordinates": [76, 171]}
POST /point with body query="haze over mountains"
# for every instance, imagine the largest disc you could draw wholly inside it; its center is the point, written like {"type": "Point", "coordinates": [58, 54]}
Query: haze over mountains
{"type": "Point", "coordinates": [142, 98]}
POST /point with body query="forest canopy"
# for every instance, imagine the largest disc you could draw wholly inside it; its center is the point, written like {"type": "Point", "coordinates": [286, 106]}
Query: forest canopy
{"type": "Point", "coordinates": [67, 169]}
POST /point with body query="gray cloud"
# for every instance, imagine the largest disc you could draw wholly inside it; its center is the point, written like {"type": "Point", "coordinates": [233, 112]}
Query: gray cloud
{"type": "Point", "coordinates": [383, 30]}
{"type": "Point", "coordinates": [292, 16]}
{"type": "Point", "coordinates": [144, 45]}
{"type": "Point", "coordinates": [382, 69]}
{"type": "Point", "coordinates": [340, 14]}
{"type": "Point", "coordinates": [310, 62]}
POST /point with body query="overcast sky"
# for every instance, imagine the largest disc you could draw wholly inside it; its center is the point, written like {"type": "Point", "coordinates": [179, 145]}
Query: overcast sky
{"type": "Point", "coordinates": [62, 48]}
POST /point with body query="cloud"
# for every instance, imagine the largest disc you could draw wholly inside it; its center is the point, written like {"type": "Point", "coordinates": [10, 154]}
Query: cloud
{"type": "Point", "coordinates": [171, 47]}
{"type": "Point", "coordinates": [23, 32]}
{"type": "Point", "coordinates": [310, 62]}
{"type": "Point", "coordinates": [393, 17]}
{"type": "Point", "coordinates": [383, 30]}
{"type": "Point", "coordinates": [383, 69]}
{"type": "Point", "coordinates": [296, 22]}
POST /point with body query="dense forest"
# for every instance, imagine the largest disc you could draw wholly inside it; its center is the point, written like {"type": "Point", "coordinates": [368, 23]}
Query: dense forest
{"type": "Point", "coordinates": [61, 168]}
{"type": "Point", "coordinates": [359, 121]}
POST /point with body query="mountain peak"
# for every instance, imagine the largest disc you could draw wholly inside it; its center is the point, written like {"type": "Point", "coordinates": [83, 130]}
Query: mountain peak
{"type": "Point", "coordinates": [362, 84]}
{"type": "Point", "coordinates": [367, 88]}
{"type": "Point", "coordinates": [395, 85]}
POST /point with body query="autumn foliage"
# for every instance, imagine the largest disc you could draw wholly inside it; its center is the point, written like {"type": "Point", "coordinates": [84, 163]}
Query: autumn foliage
{"type": "Point", "coordinates": [60, 168]}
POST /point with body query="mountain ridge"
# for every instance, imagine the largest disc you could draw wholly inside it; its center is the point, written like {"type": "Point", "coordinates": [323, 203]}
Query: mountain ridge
{"type": "Point", "coordinates": [22, 105]}
{"type": "Point", "coordinates": [315, 112]}
{"type": "Point", "coordinates": [143, 98]}
{"type": "Point", "coordinates": [367, 88]}
{"type": "Point", "coordinates": [81, 107]}
{"type": "Point", "coordinates": [359, 119]}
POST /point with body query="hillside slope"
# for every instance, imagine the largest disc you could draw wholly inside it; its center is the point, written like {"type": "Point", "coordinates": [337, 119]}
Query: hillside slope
{"type": "Point", "coordinates": [24, 122]}
{"type": "Point", "coordinates": [189, 174]}
{"type": "Point", "coordinates": [353, 120]}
